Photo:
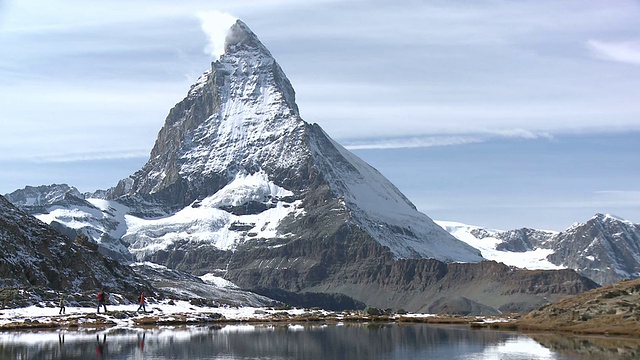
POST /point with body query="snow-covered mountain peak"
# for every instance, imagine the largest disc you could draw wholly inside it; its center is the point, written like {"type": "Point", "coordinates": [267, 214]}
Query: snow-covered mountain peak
{"type": "Point", "coordinates": [235, 166]}
{"type": "Point", "coordinates": [239, 116]}
{"type": "Point", "coordinates": [32, 196]}
{"type": "Point", "coordinates": [609, 218]}
{"type": "Point", "coordinates": [240, 37]}
{"type": "Point", "coordinates": [600, 220]}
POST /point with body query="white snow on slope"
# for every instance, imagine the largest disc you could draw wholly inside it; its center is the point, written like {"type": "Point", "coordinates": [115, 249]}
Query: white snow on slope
{"type": "Point", "coordinates": [106, 218]}
{"type": "Point", "coordinates": [245, 188]}
{"type": "Point", "coordinates": [203, 222]}
{"type": "Point", "coordinates": [255, 124]}
{"type": "Point", "coordinates": [386, 213]}
{"type": "Point", "coordinates": [218, 281]}
{"type": "Point", "coordinates": [535, 259]}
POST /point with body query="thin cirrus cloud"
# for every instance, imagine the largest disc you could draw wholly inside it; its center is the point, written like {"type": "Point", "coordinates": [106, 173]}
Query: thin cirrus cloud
{"type": "Point", "coordinates": [620, 51]}
{"type": "Point", "coordinates": [414, 142]}
{"type": "Point", "coordinates": [630, 198]}
{"type": "Point", "coordinates": [71, 155]}
{"type": "Point", "coordinates": [440, 140]}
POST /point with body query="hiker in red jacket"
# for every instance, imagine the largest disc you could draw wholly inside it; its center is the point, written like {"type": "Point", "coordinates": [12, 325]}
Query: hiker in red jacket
{"type": "Point", "coordinates": [141, 301]}
{"type": "Point", "coordinates": [102, 301]}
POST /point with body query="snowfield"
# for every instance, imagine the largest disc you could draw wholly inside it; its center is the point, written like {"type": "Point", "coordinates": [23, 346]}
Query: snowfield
{"type": "Point", "coordinates": [163, 309]}
{"type": "Point", "coordinates": [204, 221]}
{"type": "Point", "coordinates": [535, 259]}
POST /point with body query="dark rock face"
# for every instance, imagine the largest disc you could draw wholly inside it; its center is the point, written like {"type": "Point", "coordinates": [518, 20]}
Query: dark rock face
{"type": "Point", "coordinates": [344, 259]}
{"type": "Point", "coordinates": [34, 255]}
{"type": "Point", "coordinates": [522, 240]}
{"type": "Point", "coordinates": [605, 249]}
{"type": "Point", "coordinates": [333, 302]}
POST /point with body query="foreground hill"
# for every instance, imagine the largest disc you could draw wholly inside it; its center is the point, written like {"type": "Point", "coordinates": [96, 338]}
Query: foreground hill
{"type": "Point", "coordinates": [613, 309]}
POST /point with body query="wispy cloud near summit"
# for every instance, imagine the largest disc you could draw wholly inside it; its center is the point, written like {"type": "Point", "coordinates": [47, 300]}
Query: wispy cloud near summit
{"type": "Point", "coordinates": [215, 24]}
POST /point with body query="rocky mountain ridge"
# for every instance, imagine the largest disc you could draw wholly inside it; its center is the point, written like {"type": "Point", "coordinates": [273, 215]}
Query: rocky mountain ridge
{"type": "Point", "coordinates": [605, 248]}
{"type": "Point", "coordinates": [35, 255]}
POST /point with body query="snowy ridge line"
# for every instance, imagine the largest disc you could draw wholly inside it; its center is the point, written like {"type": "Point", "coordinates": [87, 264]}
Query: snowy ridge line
{"type": "Point", "coordinates": [536, 259]}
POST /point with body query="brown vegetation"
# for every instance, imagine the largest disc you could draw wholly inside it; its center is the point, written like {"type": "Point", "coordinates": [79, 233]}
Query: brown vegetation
{"type": "Point", "coordinates": [609, 310]}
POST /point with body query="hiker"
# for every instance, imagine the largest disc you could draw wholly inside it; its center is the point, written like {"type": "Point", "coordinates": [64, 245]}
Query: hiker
{"type": "Point", "coordinates": [62, 305]}
{"type": "Point", "coordinates": [141, 302]}
{"type": "Point", "coordinates": [102, 301]}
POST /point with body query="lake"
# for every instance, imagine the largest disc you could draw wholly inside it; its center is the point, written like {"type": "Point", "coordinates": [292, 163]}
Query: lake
{"type": "Point", "coordinates": [281, 341]}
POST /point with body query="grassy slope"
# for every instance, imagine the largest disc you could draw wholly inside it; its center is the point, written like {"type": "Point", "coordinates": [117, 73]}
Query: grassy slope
{"type": "Point", "coordinates": [612, 309]}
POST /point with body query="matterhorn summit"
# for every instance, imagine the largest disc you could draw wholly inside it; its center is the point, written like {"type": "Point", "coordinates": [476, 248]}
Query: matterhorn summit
{"type": "Point", "coordinates": [239, 124]}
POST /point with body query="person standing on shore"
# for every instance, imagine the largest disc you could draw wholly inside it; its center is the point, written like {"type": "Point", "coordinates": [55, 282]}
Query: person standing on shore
{"type": "Point", "coordinates": [62, 305]}
{"type": "Point", "coordinates": [102, 301]}
{"type": "Point", "coordinates": [141, 301]}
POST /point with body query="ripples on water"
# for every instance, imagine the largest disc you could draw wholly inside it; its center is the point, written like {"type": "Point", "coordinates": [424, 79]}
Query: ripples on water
{"type": "Point", "coordinates": [276, 342]}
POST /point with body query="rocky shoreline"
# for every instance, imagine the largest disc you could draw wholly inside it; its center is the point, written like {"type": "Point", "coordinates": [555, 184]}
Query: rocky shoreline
{"type": "Point", "coordinates": [611, 310]}
{"type": "Point", "coordinates": [183, 314]}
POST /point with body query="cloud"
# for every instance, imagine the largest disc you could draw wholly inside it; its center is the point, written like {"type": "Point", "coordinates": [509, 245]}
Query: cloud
{"type": "Point", "coordinates": [630, 198]}
{"type": "Point", "coordinates": [523, 134]}
{"type": "Point", "coordinates": [441, 140]}
{"type": "Point", "coordinates": [621, 51]}
{"type": "Point", "coordinates": [415, 142]}
{"type": "Point", "coordinates": [78, 156]}
{"type": "Point", "coordinates": [215, 24]}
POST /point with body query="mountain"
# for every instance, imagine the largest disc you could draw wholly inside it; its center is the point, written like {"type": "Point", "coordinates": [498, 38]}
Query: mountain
{"type": "Point", "coordinates": [237, 145]}
{"type": "Point", "coordinates": [239, 184]}
{"type": "Point", "coordinates": [65, 209]}
{"type": "Point", "coordinates": [35, 199]}
{"type": "Point", "coordinates": [35, 255]}
{"type": "Point", "coordinates": [605, 248]}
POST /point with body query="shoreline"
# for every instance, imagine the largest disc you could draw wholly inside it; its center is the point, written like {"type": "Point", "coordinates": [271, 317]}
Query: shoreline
{"type": "Point", "coordinates": [181, 313]}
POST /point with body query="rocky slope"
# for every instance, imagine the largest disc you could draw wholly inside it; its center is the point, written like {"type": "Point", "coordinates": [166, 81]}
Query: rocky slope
{"type": "Point", "coordinates": [71, 213]}
{"type": "Point", "coordinates": [605, 249]}
{"type": "Point", "coordinates": [35, 255]}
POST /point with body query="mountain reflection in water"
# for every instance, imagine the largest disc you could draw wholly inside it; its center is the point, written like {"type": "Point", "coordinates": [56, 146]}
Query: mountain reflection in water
{"type": "Point", "coordinates": [281, 341]}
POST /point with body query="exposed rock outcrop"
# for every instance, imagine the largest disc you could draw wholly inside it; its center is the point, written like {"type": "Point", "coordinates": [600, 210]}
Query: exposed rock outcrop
{"type": "Point", "coordinates": [35, 255]}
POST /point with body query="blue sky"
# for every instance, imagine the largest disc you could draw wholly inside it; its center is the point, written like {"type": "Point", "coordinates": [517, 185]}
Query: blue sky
{"type": "Point", "coordinates": [501, 114]}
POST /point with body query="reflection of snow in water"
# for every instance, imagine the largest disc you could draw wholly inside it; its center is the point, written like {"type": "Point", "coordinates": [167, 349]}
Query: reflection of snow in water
{"type": "Point", "coordinates": [278, 341]}
{"type": "Point", "coordinates": [515, 348]}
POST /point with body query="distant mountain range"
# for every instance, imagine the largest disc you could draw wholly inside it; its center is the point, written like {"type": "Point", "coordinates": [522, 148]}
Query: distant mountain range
{"type": "Point", "coordinates": [238, 185]}
{"type": "Point", "coordinates": [605, 248]}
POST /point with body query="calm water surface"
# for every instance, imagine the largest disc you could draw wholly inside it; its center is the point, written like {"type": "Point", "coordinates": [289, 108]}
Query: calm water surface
{"type": "Point", "coordinates": [269, 342]}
